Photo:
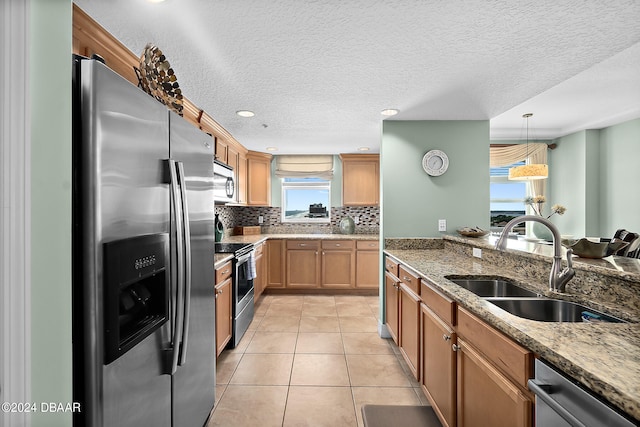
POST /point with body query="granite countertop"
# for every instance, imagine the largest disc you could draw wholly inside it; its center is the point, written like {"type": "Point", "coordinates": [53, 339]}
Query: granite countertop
{"type": "Point", "coordinates": [220, 259]}
{"type": "Point", "coordinates": [604, 357]}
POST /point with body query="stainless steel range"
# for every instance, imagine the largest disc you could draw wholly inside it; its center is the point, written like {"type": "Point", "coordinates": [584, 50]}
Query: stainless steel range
{"type": "Point", "coordinates": [243, 274]}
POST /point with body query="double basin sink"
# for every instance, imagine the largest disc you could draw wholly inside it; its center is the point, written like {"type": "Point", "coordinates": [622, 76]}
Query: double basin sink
{"type": "Point", "coordinates": [527, 304]}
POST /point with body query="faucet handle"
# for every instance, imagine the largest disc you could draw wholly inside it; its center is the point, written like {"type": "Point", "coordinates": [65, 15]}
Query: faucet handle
{"type": "Point", "coordinates": [569, 260]}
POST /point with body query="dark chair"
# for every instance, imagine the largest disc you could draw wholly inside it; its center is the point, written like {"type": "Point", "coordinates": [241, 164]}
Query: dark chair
{"type": "Point", "coordinates": [633, 249]}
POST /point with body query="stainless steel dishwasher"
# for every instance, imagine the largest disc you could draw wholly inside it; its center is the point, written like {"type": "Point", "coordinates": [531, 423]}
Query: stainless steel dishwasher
{"type": "Point", "coordinates": [562, 402]}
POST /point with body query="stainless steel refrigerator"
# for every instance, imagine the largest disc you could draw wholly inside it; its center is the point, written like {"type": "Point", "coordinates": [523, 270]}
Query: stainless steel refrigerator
{"type": "Point", "coordinates": [143, 243]}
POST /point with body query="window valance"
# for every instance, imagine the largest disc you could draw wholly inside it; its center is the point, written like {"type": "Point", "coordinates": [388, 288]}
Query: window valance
{"type": "Point", "coordinates": [307, 166]}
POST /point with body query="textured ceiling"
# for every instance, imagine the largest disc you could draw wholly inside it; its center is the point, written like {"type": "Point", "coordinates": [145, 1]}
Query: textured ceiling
{"type": "Point", "coordinates": [317, 73]}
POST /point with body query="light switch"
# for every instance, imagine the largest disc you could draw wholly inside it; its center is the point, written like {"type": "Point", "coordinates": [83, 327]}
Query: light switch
{"type": "Point", "coordinates": [260, 219]}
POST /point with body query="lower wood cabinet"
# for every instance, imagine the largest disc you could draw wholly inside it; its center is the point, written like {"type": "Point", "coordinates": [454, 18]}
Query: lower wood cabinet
{"type": "Point", "coordinates": [260, 281]}
{"type": "Point", "coordinates": [485, 396]}
{"type": "Point", "coordinates": [303, 264]}
{"type": "Point", "coordinates": [409, 317]}
{"type": "Point", "coordinates": [338, 264]}
{"type": "Point", "coordinates": [391, 296]}
{"type": "Point", "coordinates": [223, 314]}
{"type": "Point", "coordinates": [367, 264]}
{"type": "Point", "coordinates": [275, 262]}
{"type": "Point", "coordinates": [438, 377]}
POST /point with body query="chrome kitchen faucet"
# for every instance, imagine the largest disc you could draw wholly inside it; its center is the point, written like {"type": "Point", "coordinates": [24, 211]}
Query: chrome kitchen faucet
{"type": "Point", "coordinates": [557, 278]}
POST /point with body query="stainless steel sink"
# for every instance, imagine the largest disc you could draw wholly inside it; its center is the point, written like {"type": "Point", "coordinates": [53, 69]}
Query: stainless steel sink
{"type": "Point", "coordinates": [489, 287]}
{"type": "Point", "coordinates": [551, 310]}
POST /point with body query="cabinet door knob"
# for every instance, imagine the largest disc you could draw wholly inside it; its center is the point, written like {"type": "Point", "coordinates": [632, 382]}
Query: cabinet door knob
{"type": "Point", "coordinates": [337, 244]}
{"type": "Point", "coordinates": [408, 279]}
{"type": "Point", "coordinates": [455, 347]}
{"type": "Point", "coordinates": [446, 337]}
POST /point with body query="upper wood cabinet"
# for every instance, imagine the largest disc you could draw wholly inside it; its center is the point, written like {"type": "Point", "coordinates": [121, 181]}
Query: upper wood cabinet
{"type": "Point", "coordinates": [360, 179]}
{"type": "Point", "coordinates": [242, 178]}
{"type": "Point", "coordinates": [258, 179]}
{"type": "Point", "coordinates": [221, 150]}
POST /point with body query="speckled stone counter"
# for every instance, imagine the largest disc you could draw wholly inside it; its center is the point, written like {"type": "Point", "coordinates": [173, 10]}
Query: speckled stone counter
{"type": "Point", "coordinates": [603, 357]}
{"type": "Point", "coordinates": [219, 259]}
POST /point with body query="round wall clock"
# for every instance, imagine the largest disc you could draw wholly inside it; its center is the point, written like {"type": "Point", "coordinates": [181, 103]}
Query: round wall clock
{"type": "Point", "coordinates": [435, 162]}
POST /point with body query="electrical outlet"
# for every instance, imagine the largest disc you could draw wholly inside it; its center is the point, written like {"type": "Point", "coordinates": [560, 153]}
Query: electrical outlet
{"type": "Point", "coordinates": [356, 220]}
{"type": "Point", "coordinates": [260, 219]}
{"type": "Point", "coordinates": [477, 252]}
{"type": "Point", "coordinates": [442, 225]}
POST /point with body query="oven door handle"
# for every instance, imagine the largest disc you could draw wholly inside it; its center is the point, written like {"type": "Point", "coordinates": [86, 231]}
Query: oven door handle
{"type": "Point", "coordinates": [176, 223]}
{"type": "Point", "coordinates": [541, 392]}
{"type": "Point", "coordinates": [187, 264]}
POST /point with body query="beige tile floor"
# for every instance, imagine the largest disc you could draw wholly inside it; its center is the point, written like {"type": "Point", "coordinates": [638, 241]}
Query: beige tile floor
{"type": "Point", "coordinates": [311, 361]}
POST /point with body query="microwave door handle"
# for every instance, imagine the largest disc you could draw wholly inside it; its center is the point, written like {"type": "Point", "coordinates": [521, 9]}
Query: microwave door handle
{"type": "Point", "coordinates": [176, 223]}
{"type": "Point", "coordinates": [187, 264]}
{"type": "Point", "coordinates": [230, 187]}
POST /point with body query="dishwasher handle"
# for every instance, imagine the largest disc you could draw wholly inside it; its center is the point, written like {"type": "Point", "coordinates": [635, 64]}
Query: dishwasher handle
{"type": "Point", "coordinates": [542, 392]}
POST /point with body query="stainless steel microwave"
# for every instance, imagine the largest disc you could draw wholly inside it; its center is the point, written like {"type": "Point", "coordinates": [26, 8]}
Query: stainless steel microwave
{"type": "Point", "coordinates": [224, 187]}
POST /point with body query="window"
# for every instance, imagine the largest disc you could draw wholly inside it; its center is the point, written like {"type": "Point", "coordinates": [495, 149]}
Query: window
{"type": "Point", "coordinates": [306, 200]}
{"type": "Point", "coordinates": [506, 198]}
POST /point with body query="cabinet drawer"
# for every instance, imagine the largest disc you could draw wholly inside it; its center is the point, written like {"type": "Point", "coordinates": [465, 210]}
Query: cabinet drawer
{"type": "Point", "coordinates": [303, 244]}
{"type": "Point", "coordinates": [410, 279]}
{"type": "Point", "coordinates": [391, 266]}
{"type": "Point", "coordinates": [513, 360]}
{"type": "Point", "coordinates": [223, 272]}
{"type": "Point", "coordinates": [259, 249]}
{"type": "Point", "coordinates": [337, 244]}
{"type": "Point", "coordinates": [372, 245]}
{"type": "Point", "coordinates": [444, 307]}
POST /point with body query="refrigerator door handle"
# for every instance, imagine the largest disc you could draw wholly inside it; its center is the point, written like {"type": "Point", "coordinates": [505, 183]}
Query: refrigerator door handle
{"type": "Point", "coordinates": [177, 222]}
{"type": "Point", "coordinates": [187, 264]}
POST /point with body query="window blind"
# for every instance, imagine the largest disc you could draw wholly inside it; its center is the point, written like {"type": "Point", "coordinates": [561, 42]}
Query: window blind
{"type": "Point", "coordinates": [308, 166]}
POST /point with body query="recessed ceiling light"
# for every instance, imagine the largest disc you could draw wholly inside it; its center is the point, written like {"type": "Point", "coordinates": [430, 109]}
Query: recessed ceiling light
{"type": "Point", "coordinates": [363, 149]}
{"type": "Point", "coordinates": [245, 113]}
{"type": "Point", "coordinates": [389, 112]}
{"type": "Point", "coordinates": [155, 1]}
{"type": "Point", "coordinates": [272, 149]}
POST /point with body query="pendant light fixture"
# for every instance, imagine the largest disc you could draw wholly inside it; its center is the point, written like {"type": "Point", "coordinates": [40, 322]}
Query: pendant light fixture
{"type": "Point", "coordinates": [530, 171]}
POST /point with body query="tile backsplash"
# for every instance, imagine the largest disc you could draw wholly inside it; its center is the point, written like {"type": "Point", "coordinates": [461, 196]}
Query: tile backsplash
{"type": "Point", "coordinates": [236, 216]}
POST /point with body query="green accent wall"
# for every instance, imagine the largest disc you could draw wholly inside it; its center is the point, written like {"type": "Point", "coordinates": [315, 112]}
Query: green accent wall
{"type": "Point", "coordinates": [412, 201]}
{"type": "Point", "coordinates": [50, 86]}
{"type": "Point", "coordinates": [593, 173]}
{"type": "Point", "coordinates": [619, 176]}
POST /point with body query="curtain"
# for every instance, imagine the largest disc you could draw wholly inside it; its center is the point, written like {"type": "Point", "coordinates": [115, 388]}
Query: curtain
{"type": "Point", "coordinates": [532, 153]}
{"type": "Point", "coordinates": [310, 166]}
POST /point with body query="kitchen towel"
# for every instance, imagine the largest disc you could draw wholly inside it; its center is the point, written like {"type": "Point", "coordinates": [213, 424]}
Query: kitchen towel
{"type": "Point", "coordinates": [251, 273]}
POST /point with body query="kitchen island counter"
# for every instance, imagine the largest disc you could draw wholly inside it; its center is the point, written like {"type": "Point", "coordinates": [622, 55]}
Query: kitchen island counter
{"type": "Point", "coordinates": [603, 357]}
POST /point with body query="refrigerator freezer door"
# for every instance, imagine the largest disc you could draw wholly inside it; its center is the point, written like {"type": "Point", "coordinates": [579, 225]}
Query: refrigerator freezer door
{"type": "Point", "coordinates": [194, 381]}
{"type": "Point", "coordinates": [120, 144]}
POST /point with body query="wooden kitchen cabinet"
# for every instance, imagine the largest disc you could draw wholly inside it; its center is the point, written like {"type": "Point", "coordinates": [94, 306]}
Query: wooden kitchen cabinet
{"type": "Point", "coordinates": [360, 179]}
{"type": "Point", "coordinates": [438, 379]}
{"type": "Point", "coordinates": [338, 264]}
{"type": "Point", "coordinates": [485, 396]}
{"type": "Point", "coordinates": [241, 179]}
{"type": "Point", "coordinates": [258, 179]}
{"type": "Point", "coordinates": [223, 307]}
{"type": "Point", "coordinates": [260, 281]}
{"type": "Point", "coordinates": [367, 264]}
{"type": "Point", "coordinates": [492, 374]}
{"type": "Point", "coordinates": [276, 266]}
{"type": "Point", "coordinates": [409, 318]}
{"type": "Point", "coordinates": [303, 264]}
{"type": "Point", "coordinates": [220, 153]}
{"type": "Point", "coordinates": [391, 297]}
